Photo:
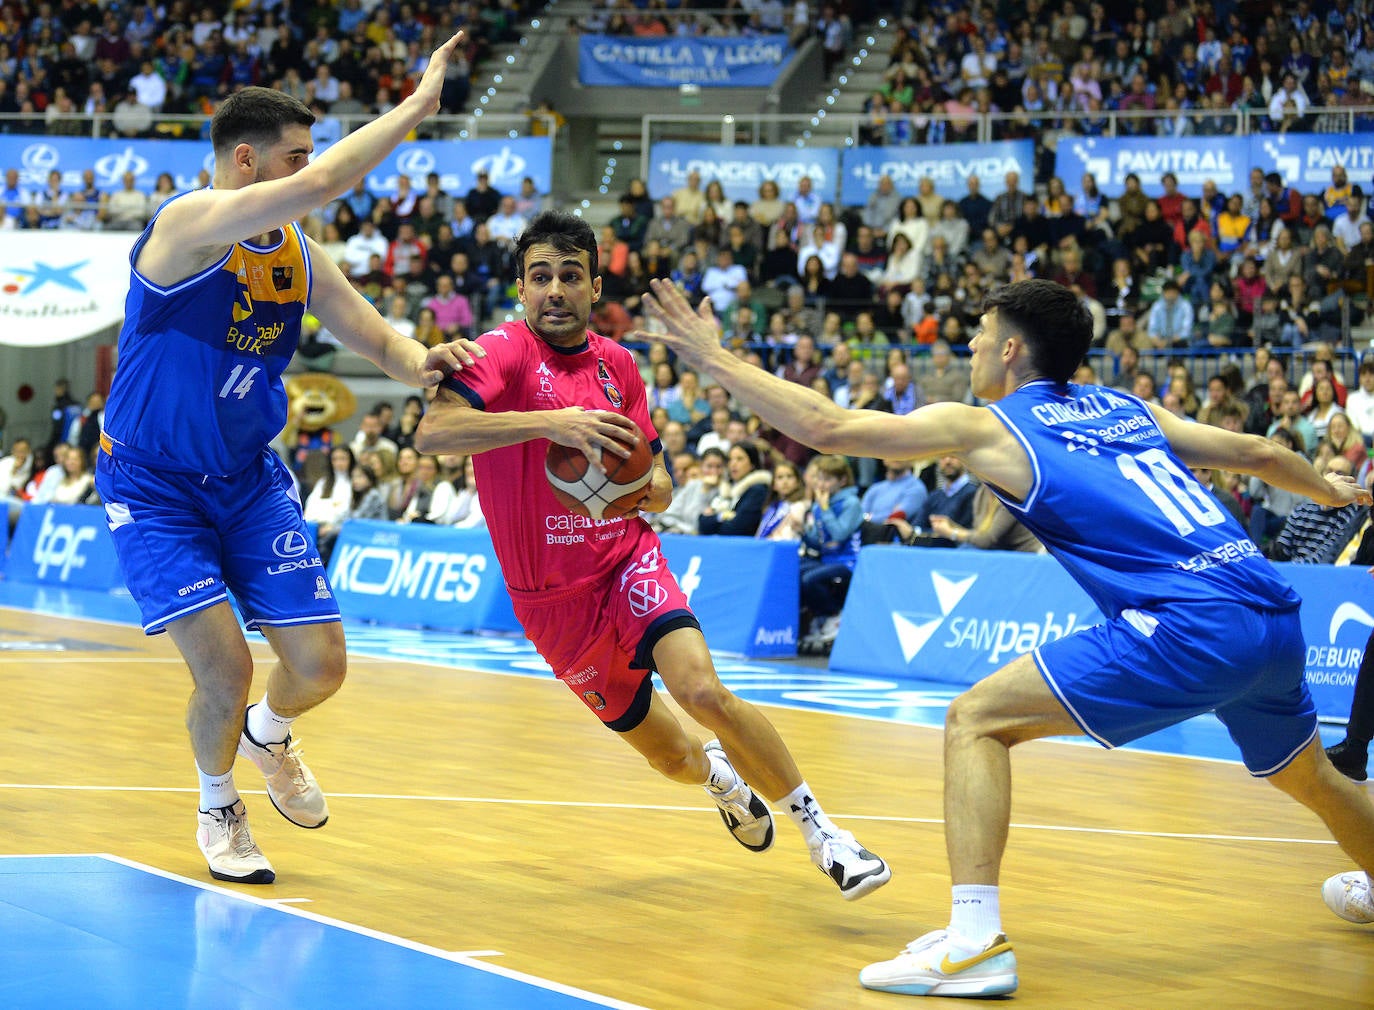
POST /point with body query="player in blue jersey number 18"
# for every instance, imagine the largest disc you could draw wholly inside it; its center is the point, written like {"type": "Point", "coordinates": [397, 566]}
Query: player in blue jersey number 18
{"type": "Point", "coordinates": [1102, 479]}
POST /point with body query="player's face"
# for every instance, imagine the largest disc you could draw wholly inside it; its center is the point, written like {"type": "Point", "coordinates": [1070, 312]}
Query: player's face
{"type": "Point", "coordinates": [558, 291]}
{"type": "Point", "coordinates": [287, 156]}
{"type": "Point", "coordinates": [987, 369]}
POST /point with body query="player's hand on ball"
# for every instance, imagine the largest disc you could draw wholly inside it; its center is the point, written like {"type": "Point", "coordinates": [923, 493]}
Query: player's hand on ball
{"type": "Point", "coordinates": [592, 432]}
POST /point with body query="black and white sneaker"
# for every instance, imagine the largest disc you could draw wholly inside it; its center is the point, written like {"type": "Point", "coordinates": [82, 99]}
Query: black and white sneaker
{"type": "Point", "coordinates": [745, 814]}
{"type": "Point", "coordinates": [853, 868]}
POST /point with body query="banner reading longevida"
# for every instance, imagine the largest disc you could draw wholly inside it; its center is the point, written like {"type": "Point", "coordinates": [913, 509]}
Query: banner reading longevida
{"type": "Point", "coordinates": [58, 286]}
{"type": "Point", "coordinates": [742, 168]}
{"type": "Point", "coordinates": [734, 62]}
{"type": "Point", "coordinates": [947, 165]}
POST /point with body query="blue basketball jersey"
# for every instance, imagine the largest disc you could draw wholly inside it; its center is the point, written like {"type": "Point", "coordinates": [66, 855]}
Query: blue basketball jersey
{"type": "Point", "coordinates": [1121, 512]}
{"type": "Point", "coordinates": [198, 387]}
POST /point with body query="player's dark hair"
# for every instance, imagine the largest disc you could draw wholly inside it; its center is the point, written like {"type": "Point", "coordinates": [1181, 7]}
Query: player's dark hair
{"type": "Point", "coordinates": [255, 116]}
{"type": "Point", "coordinates": [1055, 324]}
{"type": "Point", "coordinates": [566, 233]}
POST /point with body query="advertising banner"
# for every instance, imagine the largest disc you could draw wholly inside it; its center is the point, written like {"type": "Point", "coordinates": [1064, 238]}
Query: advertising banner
{"type": "Point", "coordinates": [507, 160]}
{"type": "Point", "coordinates": [949, 165]}
{"type": "Point", "coordinates": [59, 286]}
{"type": "Point", "coordinates": [726, 62]}
{"type": "Point", "coordinates": [1224, 160]}
{"type": "Point", "coordinates": [1305, 160]}
{"type": "Point", "coordinates": [741, 170]}
{"type": "Point", "coordinates": [958, 615]}
{"type": "Point", "coordinates": [419, 576]}
{"type": "Point", "coordinates": [745, 592]}
{"type": "Point", "coordinates": [64, 545]}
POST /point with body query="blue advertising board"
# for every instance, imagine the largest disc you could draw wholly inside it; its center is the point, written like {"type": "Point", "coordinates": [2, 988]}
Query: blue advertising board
{"type": "Point", "coordinates": [745, 592]}
{"type": "Point", "coordinates": [507, 160]}
{"type": "Point", "coordinates": [949, 165]}
{"type": "Point", "coordinates": [1224, 160]}
{"type": "Point", "coordinates": [725, 62]}
{"type": "Point", "coordinates": [741, 170]}
{"type": "Point", "coordinates": [419, 576]}
{"type": "Point", "coordinates": [958, 615]}
{"type": "Point", "coordinates": [64, 545]}
{"type": "Point", "coordinates": [1305, 160]}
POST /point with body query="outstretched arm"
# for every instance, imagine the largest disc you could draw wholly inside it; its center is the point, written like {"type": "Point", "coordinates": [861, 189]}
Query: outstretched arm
{"type": "Point", "coordinates": [1219, 449]}
{"type": "Point", "coordinates": [220, 217]}
{"type": "Point", "coordinates": [803, 413]}
{"type": "Point", "coordinates": [359, 327]}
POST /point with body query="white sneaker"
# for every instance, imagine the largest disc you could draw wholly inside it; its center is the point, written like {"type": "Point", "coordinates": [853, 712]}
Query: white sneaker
{"type": "Point", "coordinates": [829, 629]}
{"type": "Point", "coordinates": [944, 964]}
{"type": "Point", "coordinates": [290, 785]}
{"type": "Point", "coordinates": [745, 814]}
{"type": "Point", "coordinates": [229, 848]}
{"type": "Point", "coordinates": [856, 870]}
{"type": "Point", "coordinates": [1348, 895]}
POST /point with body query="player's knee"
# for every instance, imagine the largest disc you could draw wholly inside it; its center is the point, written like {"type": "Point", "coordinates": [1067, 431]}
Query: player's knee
{"type": "Point", "coordinates": [706, 700]}
{"type": "Point", "coordinates": [965, 719]}
{"type": "Point", "coordinates": [324, 668]}
{"type": "Point", "coordinates": [671, 762]}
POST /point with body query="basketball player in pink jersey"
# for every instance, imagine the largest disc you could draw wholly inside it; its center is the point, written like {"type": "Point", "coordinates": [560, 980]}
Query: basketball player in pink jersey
{"type": "Point", "coordinates": [595, 596]}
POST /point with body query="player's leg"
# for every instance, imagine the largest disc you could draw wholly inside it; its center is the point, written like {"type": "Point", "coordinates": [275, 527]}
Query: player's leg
{"type": "Point", "coordinates": [680, 756]}
{"type": "Point", "coordinates": [756, 751]}
{"type": "Point", "coordinates": [276, 574]}
{"type": "Point", "coordinates": [222, 671]}
{"type": "Point", "coordinates": [972, 956]}
{"type": "Point", "coordinates": [310, 667]}
{"type": "Point", "coordinates": [1348, 814]}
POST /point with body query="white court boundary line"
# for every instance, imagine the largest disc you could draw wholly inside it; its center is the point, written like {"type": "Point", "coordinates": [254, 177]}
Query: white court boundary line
{"type": "Point", "coordinates": [668, 808]}
{"type": "Point", "coordinates": [455, 957]}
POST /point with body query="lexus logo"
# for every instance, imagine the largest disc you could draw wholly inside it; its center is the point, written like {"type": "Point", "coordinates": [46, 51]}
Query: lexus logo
{"type": "Point", "coordinates": [646, 596]}
{"type": "Point", "coordinates": [291, 544]}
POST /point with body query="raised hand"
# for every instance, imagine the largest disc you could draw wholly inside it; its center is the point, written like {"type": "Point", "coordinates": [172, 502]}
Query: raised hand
{"type": "Point", "coordinates": [692, 334]}
{"type": "Point", "coordinates": [432, 83]}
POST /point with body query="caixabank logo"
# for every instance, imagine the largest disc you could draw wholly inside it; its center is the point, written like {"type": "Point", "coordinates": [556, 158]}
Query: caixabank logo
{"type": "Point", "coordinates": [970, 615]}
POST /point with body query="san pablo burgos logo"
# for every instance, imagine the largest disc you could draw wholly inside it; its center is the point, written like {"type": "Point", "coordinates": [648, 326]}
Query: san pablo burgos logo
{"type": "Point", "coordinates": [1338, 661]}
{"type": "Point", "coordinates": [1000, 638]}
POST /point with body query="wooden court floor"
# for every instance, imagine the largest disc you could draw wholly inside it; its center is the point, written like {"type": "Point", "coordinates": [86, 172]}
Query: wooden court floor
{"type": "Point", "coordinates": [488, 812]}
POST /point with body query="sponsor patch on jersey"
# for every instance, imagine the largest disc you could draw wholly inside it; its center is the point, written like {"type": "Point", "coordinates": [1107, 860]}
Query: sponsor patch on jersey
{"type": "Point", "coordinates": [594, 699]}
{"type": "Point", "coordinates": [282, 278]}
{"type": "Point", "coordinates": [613, 394]}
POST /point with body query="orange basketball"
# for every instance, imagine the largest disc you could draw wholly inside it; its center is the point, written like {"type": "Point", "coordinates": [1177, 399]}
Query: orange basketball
{"type": "Point", "coordinates": [611, 495]}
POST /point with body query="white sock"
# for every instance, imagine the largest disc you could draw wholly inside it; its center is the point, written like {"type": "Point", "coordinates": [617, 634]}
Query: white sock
{"type": "Point", "coordinates": [265, 726]}
{"type": "Point", "coordinates": [976, 912]}
{"type": "Point", "coordinates": [807, 814]}
{"type": "Point", "coordinates": [217, 790]}
{"type": "Point", "coordinates": [721, 777]}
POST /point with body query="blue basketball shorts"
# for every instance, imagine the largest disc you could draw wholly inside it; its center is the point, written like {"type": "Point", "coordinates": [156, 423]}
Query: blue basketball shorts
{"type": "Point", "coordinates": [185, 541]}
{"type": "Point", "coordinates": [1147, 670]}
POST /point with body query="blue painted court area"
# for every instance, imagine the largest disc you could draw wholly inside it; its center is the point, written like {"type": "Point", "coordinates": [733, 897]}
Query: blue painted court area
{"type": "Point", "coordinates": [86, 932]}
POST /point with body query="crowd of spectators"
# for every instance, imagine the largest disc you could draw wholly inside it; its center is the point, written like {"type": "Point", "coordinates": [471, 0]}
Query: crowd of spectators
{"type": "Point", "coordinates": [1199, 67]}
{"type": "Point", "coordinates": [868, 305]}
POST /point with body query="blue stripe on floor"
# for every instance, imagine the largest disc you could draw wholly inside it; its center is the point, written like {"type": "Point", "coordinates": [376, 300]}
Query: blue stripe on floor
{"type": "Point", "coordinates": [95, 931]}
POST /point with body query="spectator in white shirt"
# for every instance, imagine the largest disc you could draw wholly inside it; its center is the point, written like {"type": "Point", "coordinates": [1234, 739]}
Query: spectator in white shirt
{"type": "Point", "coordinates": [721, 281]}
{"type": "Point", "coordinates": [359, 250]}
{"type": "Point", "coordinates": [1291, 91]}
{"type": "Point", "coordinates": [149, 89]}
{"type": "Point", "coordinates": [1359, 402]}
{"type": "Point", "coordinates": [507, 223]}
{"type": "Point", "coordinates": [330, 498]}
